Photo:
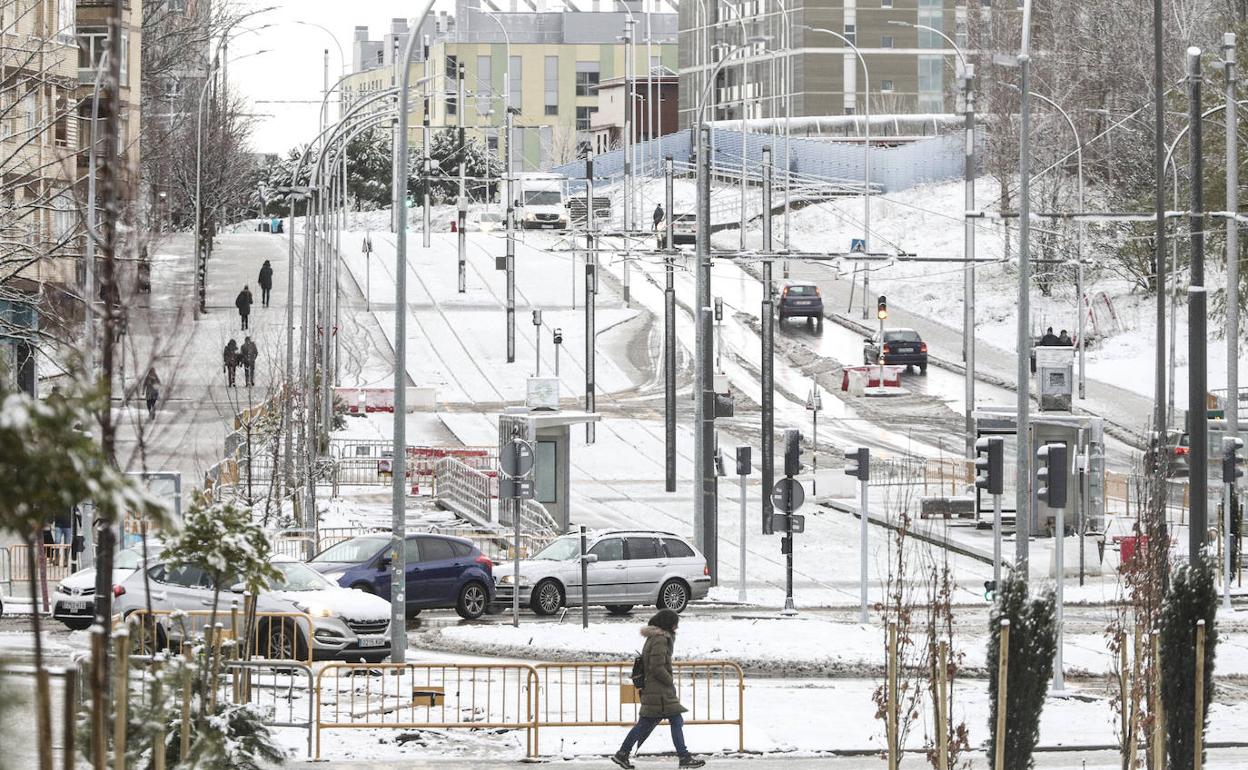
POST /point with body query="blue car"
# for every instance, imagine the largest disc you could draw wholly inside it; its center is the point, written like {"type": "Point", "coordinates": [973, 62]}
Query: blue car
{"type": "Point", "coordinates": [442, 572]}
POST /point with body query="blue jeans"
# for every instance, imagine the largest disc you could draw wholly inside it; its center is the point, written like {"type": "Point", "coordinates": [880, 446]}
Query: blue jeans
{"type": "Point", "coordinates": [645, 725]}
{"type": "Point", "coordinates": [62, 535]}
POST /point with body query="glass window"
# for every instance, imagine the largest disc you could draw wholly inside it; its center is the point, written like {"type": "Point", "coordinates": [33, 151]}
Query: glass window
{"type": "Point", "coordinates": [611, 549]}
{"type": "Point", "coordinates": [515, 90]}
{"type": "Point", "coordinates": [411, 550]}
{"type": "Point", "coordinates": [65, 10]}
{"type": "Point", "coordinates": [544, 456]}
{"type": "Point", "coordinates": [902, 335]}
{"type": "Point", "coordinates": [801, 291]}
{"type": "Point", "coordinates": [586, 78]}
{"type": "Point", "coordinates": [452, 103]}
{"type": "Point", "coordinates": [297, 576]}
{"type": "Point", "coordinates": [186, 576]}
{"type": "Point", "coordinates": [452, 67]}
{"type": "Point", "coordinates": [435, 549]}
{"type": "Point", "coordinates": [582, 117]}
{"type": "Point", "coordinates": [157, 573]}
{"type": "Point", "coordinates": [561, 550]}
{"type": "Point", "coordinates": [484, 88]}
{"type": "Point", "coordinates": [460, 549]}
{"type": "Point", "coordinates": [643, 548]}
{"type": "Point", "coordinates": [352, 551]}
{"type": "Point", "coordinates": [887, 85]}
{"type": "Point", "coordinates": [677, 549]}
{"type": "Point", "coordinates": [886, 41]}
{"type": "Point", "coordinates": [851, 31]}
{"type": "Point", "coordinates": [886, 3]}
{"type": "Point", "coordinates": [551, 85]}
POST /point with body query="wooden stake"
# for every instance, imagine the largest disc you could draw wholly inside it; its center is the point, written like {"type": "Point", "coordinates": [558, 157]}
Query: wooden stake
{"type": "Point", "coordinates": [186, 703]}
{"type": "Point", "coordinates": [1133, 683]}
{"type": "Point", "coordinates": [99, 701]}
{"type": "Point", "coordinates": [1198, 747]}
{"type": "Point", "coordinates": [1159, 715]}
{"type": "Point", "coordinates": [158, 735]}
{"type": "Point", "coordinates": [891, 717]}
{"type": "Point", "coordinates": [121, 699]}
{"type": "Point", "coordinates": [942, 708]}
{"type": "Point", "coordinates": [70, 717]}
{"type": "Point", "coordinates": [1124, 697]}
{"type": "Point", "coordinates": [1003, 668]}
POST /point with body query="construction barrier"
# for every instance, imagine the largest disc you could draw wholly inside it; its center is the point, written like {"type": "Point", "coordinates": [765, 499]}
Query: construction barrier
{"type": "Point", "coordinates": [276, 635]}
{"type": "Point", "coordinates": [282, 690]}
{"type": "Point", "coordinates": [56, 556]}
{"type": "Point", "coordinates": [412, 696]}
{"type": "Point", "coordinates": [602, 694]}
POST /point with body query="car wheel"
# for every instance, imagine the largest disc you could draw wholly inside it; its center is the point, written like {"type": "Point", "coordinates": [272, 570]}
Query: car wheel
{"type": "Point", "coordinates": [674, 595]}
{"type": "Point", "coordinates": [78, 624]}
{"type": "Point", "coordinates": [472, 601]}
{"type": "Point", "coordinates": [922, 370]}
{"type": "Point", "coordinates": [619, 609]}
{"type": "Point", "coordinates": [282, 641]}
{"type": "Point", "coordinates": [547, 597]}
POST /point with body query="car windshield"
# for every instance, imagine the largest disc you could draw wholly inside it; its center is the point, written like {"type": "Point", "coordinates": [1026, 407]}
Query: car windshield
{"type": "Point", "coordinates": [561, 550]}
{"type": "Point", "coordinates": [297, 576]}
{"type": "Point", "coordinates": [690, 218]}
{"type": "Point", "coordinates": [543, 198]}
{"type": "Point", "coordinates": [902, 335]}
{"type": "Point", "coordinates": [130, 558]}
{"type": "Point", "coordinates": [352, 551]}
{"type": "Point", "coordinates": [802, 291]}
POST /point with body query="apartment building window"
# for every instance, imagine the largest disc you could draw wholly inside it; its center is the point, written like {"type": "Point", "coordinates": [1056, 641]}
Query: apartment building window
{"type": "Point", "coordinates": [517, 81]}
{"type": "Point", "coordinates": [177, 6]}
{"type": "Point", "coordinates": [452, 67]}
{"type": "Point", "coordinates": [551, 85]}
{"type": "Point", "coordinates": [65, 10]}
{"type": "Point", "coordinates": [582, 117]}
{"type": "Point", "coordinates": [886, 3]}
{"type": "Point", "coordinates": [886, 41]}
{"type": "Point", "coordinates": [92, 42]}
{"type": "Point", "coordinates": [452, 103]}
{"type": "Point", "coordinates": [586, 78]}
{"type": "Point", "coordinates": [63, 116]}
{"type": "Point", "coordinates": [484, 86]}
{"type": "Point", "coordinates": [886, 86]}
{"type": "Point", "coordinates": [851, 32]}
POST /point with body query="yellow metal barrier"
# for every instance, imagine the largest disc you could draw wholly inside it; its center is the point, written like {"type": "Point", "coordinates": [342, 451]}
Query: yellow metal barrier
{"type": "Point", "coordinates": [602, 694]}
{"type": "Point", "coordinates": [275, 635]}
{"type": "Point", "coordinates": [56, 556]}
{"type": "Point", "coordinates": [427, 695]}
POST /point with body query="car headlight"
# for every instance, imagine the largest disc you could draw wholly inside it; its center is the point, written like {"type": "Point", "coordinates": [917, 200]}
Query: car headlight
{"type": "Point", "coordinates": [506, 580]}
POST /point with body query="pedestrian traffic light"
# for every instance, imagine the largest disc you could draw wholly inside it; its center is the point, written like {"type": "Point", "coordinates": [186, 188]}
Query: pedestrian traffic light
{"type": "Point", "coordinates": [719, 463]}
{"type": "Point", "coordinates": [881, 311]}
{"type": "Point", "coordinates": [990, 590]}
{"type": "Point", "coordinates": [1051, 475]}
{"type": "Point", "coordinates": [743, 461]}
{"type": "Point", "coordinates": [858, 463]}
{"type": "Point", "coordinates": [1232, 463]}
{"type": "Point", "coordinates": [792, 452]}
{"type": "Point", "coordinates": [558, 336]}
{"type": "Point", "coordinates": [723, 405]}
{"type": "Point", "coordinates": [989, 464]}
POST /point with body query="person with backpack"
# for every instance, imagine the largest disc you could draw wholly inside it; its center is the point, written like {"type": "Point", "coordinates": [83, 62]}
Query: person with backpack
{"type": "Point", "coordinates": [266, 282]}
{"type": "Point", "coordinates": [652, 675]}
{"type": "Point", "coordinates": [243, 302]}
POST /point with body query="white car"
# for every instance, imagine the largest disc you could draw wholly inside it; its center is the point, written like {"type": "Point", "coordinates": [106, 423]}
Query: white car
{"type": "Point", "coordinates": [626, 568]}
{"type": "Point", "coordinates": [346, 624]}
{"type": "Point", "coordinates": [73, 601]}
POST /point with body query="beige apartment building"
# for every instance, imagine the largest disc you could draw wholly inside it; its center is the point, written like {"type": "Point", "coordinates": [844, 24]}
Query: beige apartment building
{"type": "Point", "coordinates": [92, 36]}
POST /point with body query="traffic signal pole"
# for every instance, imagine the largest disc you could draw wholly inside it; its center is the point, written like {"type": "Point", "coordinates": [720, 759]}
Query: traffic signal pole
{"type": "Point", "coordinates": [669, 332]}
{"type": "Point", "coordinates": [1052, 474]}
{"type": "Point", "coordinates": [511, 248]}
{"type": "Point", "coordinates": [461, 215]}
{"type": "Point", "coordinates": [591, 291]}
{"type": "Point", "coordinates": [743, 470]}
{"type": "Point", "coordinates": [767, 365]}
{"type": "Point", "coordinates": [858, 464]}
{"type": "Point", "coordinates": [705, 524]}
{"type": "Point", "coordinates": [1231, 472]}
{"type": "Point", "coordinates": [1197, 380]}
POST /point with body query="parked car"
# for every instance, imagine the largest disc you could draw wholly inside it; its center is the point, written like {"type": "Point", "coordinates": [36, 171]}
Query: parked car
{"type": "Point", "coordinates": [443, 572]}
{"type": "Point", "coordinates": [800, 300]}
{"type": "Point", "coordinates": [626, 568]}
{"type": "Point", "coordinates": [346, 625]}
{"type": "Point", "coordinates": [73, 600]}
{"type": "Point", "coordinates": [1178, 445]}
{"type": "Point", "coordinates": [684, 229]}
{"type": "Point", "coordinates": [898, 347]}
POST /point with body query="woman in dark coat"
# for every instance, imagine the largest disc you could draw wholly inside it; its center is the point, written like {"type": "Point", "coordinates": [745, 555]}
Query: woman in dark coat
{"type": "Point", "coordinates": [230, 359]}
{"type": "Point", "coordinates": [266, 282]}
{"type": "Point", "coordinates": [658, 693]}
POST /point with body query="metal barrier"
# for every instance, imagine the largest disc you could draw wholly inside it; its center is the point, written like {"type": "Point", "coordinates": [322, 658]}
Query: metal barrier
{"type": "Point", "coordinates": [275, 687]}
{"type": "Point", "coordinates": [56, 558]}
{"type": "Point", "coordinates": [6, 572]}
{"type": "Point", "coordinates": [366, 463]}
{"type": "Point", "coordinates": [463, 490]}
{"type": "Point", "coordinates": [297, 543]}
{"type": "Point", "coordinates": [602, 694]}
{"type": "Point", "coordinates": [427, 695]}
{"type": "Point", "coordinates": [327, 536]}
{"type": "Point", "coordinates": [498, 545]}
{"type": "Point", "coordinates": [536, 520]}
{"type": "Point", "coordinates": [64, 699]}
{"type": "Point", "coordinates": [279, 635]}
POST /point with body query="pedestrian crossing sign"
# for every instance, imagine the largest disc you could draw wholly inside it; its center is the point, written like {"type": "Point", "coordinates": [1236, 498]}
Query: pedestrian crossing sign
{"type": "Point", "coordinates": [857, 246]}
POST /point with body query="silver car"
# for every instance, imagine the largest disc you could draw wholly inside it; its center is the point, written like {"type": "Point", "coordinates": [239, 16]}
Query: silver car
{"type": "Point", "coordinates": [346, 624]}
{"type": "Point", "coordinates": [625, 568]}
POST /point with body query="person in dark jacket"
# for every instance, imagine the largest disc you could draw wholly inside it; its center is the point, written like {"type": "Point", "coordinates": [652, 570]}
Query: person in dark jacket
{"type": "Point", "coordinates": [658, 692]}
{"type": "Point", "coordinates": [247, 354]}
{"type": "Point", "coordinates": [266, 282]}
{"type": "Point", "coordinates": [1049, 338]}
{"type": "Point", "coordinates": [658, 216]}
{"type": "Point", "coordinates": [230, 359]}
{"type": "Point", "coordinates": [243, 303]}
{"type": "Point", "coordinates": [151, 391]}
{"type": "Point", "coordinates": [1064, 339]}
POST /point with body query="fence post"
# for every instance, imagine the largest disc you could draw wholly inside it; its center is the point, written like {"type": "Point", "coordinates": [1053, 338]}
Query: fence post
{"type": "Point", "coordinates": [892, 694]}
{"type": "Point", "coordinates": [1159, 716]}
{"type": "Point", "coordinates": [1003, 668]}
{"type": "Point", "coordinates": [1198, 746]}
{"type": "Point", "coordinates": [942, 713]}
{"type": "Point", "coordinates": [1124, 695]}
{"type": "Point", "coordinates": [121, 699]}
{"type": "Point", "coordinates": [186, 702]}
{"type": "Point", "coordinates": [158, 734]}
{"type": "Point", "coordinates": [70, 714]}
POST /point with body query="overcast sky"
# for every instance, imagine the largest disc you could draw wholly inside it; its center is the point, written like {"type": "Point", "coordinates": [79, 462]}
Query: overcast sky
{"type": "Point", "coordinates": [291, 68]}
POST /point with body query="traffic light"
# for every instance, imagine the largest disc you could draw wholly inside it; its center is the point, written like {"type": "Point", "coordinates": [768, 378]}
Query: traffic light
{"type": "Point", "coordinates": [558, 336]}
{"type": "Point", "coordinates": [858, 463]}
{"type": "Point", "coordinates": [1051, 475]}
{"type": "Point", "coordinates": [724, 405]}
{"type": "Point", "coordinates": [990, 590]}
{"type": "Point", "coordinates": [1232, 463]}
{"type": "Point", "coordinates": [719, 463]}
{"type": "Point", "coordinates": [743, 461]}
{"type": "Point", "coordinates": [792, 452]}
{"type": "Point", "coordinates": [881, 311]}
{"type": "Point", "coordinates": [989, 468]}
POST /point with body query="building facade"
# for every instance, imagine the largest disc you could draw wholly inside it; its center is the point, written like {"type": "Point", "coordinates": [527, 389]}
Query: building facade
{"type": "Point", "coordinates": [546, 66]}
{"type": "Point", "coordinates": [911, 70]}
{"type": "Point", "coordinates": [92, 36]}
{"type": "Point", "coordinates": [654, 101]}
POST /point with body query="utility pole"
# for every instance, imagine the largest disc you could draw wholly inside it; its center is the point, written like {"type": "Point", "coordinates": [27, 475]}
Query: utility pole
{"type": "Point", "coordinates": [768, 362]}
{"type": "Point", "coordinates": [461, 216]}
{"type": "Point", "coordinates": [705, 531]}
{"type": "Point", "coordinates": [1197, 422]}
{"type": "Point", "coordinates": [1159, 234]}
{"type": "Point", "coordinates": [1052, 476]}
{"type": "Point", "coordinates": [669, 331]}
{"type": "Point", "coordinates": [425, 133]}
{"type": "Point", "coordinates": [968, 276]}
{"type": "Point", "coordinates": [743, 471]}
{"type": "Point", "coordinates": [510, 259]}
{"type": "Point", "coordinates": [591, 291]}
{"type": "Point", "coordinates": [537, 335]}
{"type": "Point", "coordinates": [1022, 478]}
{"type": "Point", "coordinates": [1232, 240]}
{"type": "Point", "coordinates": [629, 144]}
{"type": "Point", "coordinates": [858, 465]}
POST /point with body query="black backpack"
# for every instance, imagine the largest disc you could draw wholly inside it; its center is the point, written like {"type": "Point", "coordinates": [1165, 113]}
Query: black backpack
{"type": "Point", "coordinates": [639, 672]}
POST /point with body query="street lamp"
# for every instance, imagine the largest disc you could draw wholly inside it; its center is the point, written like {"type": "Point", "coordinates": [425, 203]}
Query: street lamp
{"type": "Point", "coordinates": [866, 157]}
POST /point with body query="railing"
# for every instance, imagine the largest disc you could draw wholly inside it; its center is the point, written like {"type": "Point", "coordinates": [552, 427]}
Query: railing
{"type": "Point", "coordinates": [6, 573]}
{"type": "Point", "coordinates": [537, 521]}
{"type": "Point", "coordinates": [498, 545]}
{"type": "Point", "coordinates": [603, 695]}
{"type": "Point", "coordinates": [300, 544]}
{"type": "Point", "coordinates": [279, 688]}
{"type": "Point", "coordinates": [413, 696]}
{"type": "Point", "coordinates": [56, 558]}
{"type": "Point", "coordinates": [278, 635]}
{"type": "Point", "coordinates": [463, 490]}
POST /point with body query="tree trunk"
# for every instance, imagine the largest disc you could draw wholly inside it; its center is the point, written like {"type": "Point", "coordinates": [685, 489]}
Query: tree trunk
{"type": "Point", "coordinates": [43, 704]}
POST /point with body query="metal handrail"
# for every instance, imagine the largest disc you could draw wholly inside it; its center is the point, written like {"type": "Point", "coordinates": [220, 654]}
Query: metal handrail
{"type": "Point", "coordinates": [463, 490]}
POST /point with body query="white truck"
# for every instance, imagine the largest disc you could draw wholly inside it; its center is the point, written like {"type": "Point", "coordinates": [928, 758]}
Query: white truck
{"type": "Point", "coordinates": [542, 201]}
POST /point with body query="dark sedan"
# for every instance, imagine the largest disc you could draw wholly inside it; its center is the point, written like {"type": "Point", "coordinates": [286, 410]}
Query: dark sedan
{"type": "Point", "coordinates": [800, 300]}
{"type": "Point", "coordinates": [442, 572]}
{"type": "Point", "coordinates": [897, 347]}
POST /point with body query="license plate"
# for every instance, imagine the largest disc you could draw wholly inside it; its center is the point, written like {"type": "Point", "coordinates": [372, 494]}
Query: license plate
{"type": "Point", "coordinates": [374, 641]}
{"type": "Point", "coordinates": [75, 606]}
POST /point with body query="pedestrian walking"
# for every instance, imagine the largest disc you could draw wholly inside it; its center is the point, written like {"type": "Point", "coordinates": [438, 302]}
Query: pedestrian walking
{"type": "Point", "coordinates": [266, 282]}
{"type": "Point", "coordinates": [230, 359]}
{"type": "Point", "coordinates": [151, 391]}
{"type": "Point", "coordinates": [1064, 339]}
{"type": "Point", "coordinates": [243, 302]}
{"type": "Point", "coordinates": [658, 216]}
{"type": "Point", "coordinates": [658, 692]}
{"type": "Point", "coordinates": [1049, 338]}
{"type": "Point", "coordinates": [248, 355]}
{"type": "Point", "coordinates": [63, 533]}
